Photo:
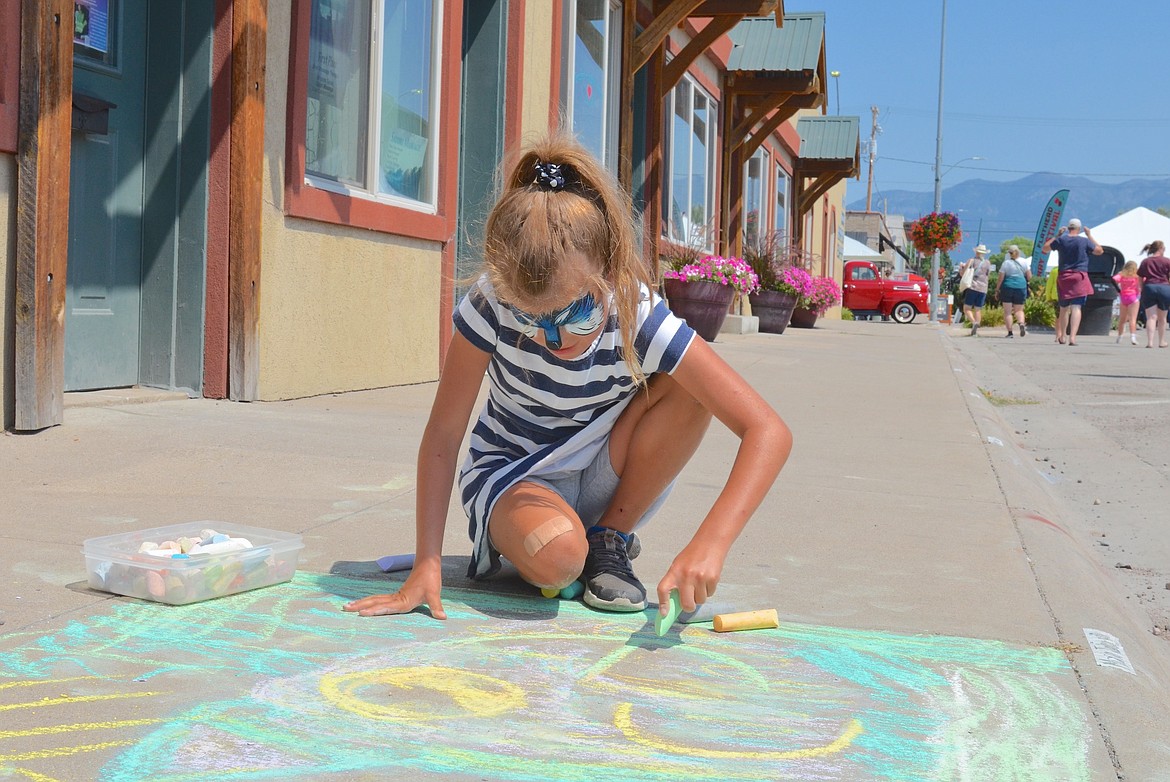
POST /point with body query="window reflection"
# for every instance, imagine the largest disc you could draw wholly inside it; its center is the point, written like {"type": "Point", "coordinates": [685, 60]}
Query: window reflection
{"type": "Point", "coordinates": [373, 128]}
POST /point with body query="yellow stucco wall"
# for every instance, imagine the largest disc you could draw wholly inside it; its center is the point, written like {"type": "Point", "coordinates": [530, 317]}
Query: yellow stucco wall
{"type": "Point", "coordinates": [538, 68]}
{"type": "Point", "coordinates": [8, 310]}
{"type": "Point", "coordinates": [340, 308]}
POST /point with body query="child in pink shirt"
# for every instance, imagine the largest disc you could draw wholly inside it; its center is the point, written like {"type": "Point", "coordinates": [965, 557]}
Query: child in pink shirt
{"type": "Point", "coordinates": [1130, 286]}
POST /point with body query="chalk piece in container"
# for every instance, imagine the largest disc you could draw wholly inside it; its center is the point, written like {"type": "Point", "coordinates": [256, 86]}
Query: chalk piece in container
{"type": "Point", "coordinates": [747, 620]}
{"type": "Point", "coordinates": [396, 562]}
{"type": "Point", "coordinates": [662, 622]}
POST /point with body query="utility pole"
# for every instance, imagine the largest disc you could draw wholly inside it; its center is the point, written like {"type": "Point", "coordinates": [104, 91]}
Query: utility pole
{"type": "Point", "coordinates": [936, 260]}
{"type": "Point", "coordinates": [872, 154]}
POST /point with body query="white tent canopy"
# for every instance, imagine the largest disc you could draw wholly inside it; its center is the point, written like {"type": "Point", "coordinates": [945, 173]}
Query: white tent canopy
{"type": "Point", "coordinates": [1128, 233]}
{"type": "Point", "coordinates": [855, 250]}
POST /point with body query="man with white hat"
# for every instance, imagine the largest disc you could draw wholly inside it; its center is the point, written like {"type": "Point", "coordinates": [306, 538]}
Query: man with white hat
{"type": "Point", "coordinates": [976, 294]}
{"type": "Point", "coordinates": [1073, 286]}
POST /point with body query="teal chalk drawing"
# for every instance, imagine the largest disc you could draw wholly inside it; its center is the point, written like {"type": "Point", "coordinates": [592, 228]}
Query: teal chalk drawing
{"type": "Point", "coordinates": [280, 684]}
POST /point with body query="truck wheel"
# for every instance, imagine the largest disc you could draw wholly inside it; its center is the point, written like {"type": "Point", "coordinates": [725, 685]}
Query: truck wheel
{"type": "Point", "coordinates": [904, 312]}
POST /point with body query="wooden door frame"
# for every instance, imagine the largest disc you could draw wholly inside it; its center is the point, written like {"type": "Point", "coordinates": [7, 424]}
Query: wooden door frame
{"type": "Point", "coordinates": [42, 211]}
{"type": "Point", "coordinates": [42, 204]}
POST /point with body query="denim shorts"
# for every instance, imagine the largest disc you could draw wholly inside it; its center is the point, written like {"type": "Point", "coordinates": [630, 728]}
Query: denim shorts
{"type": "Point", "coordinates": [590, 491]}
{"type": "Point", "coordinates": [974, 298]}
{"type": "Point", "coordinates": [1156, 294]}
{"type": "Point", "coordinates": [1075, 301]}
{"type": "Point", "coordinates": [1012, 295]}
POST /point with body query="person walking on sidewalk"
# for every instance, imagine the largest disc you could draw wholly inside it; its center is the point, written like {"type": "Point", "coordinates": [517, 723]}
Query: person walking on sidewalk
{"type": "Point", "coordinates": [1154, 272]}
{"type": "Point", "coordinates": [1130, 286]}
{"type": "Point", "coordinates": [1072, 278]}
{"type": "Point", "coordinates": [1012, 289]}
{"type": "Point", "coordinates": [598, 396]}
{"type": "Point", "coordinates": [976, 295]}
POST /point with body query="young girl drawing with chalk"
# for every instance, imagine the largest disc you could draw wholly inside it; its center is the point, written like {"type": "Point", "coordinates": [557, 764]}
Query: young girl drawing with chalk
{"type": "Point", "coordinates": [598, 396]}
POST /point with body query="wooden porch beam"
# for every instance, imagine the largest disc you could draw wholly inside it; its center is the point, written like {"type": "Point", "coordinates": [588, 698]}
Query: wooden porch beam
{"type": "Point", "coordinates": [658, 30]}
{"type": "Point", "coordinates": [821, 185]}
{"type": "Point", "coordinates": [711, 8]}
{"type": "Point", "coordinates": [716, 28]}
{"type": "Point", "coordinates": [751, 144]}
{"type": "Point", "coordinates": [755, 113]}
{"type": "Point", "coordinates": [246, 193]}
{"type": "Point", "coordinates": [42, 211]}
{"type": "Point", "coordinates": [755, 83]}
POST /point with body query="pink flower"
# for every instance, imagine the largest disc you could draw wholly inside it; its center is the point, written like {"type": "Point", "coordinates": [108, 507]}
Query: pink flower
{"type": "Point", "coordinates": [734, 272]}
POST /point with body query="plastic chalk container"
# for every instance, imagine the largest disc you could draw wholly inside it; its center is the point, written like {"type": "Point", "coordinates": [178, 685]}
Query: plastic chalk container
{"type": "Point", "coordinates": [114, 564]}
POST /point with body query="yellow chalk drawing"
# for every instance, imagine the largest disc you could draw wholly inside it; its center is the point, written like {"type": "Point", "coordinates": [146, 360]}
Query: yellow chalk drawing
{"type": "Point", "coordinates": [43, 682]}
{"type": "Point", "coordinates": [623, 721]}
{"type": "Point", "coordinates": [51, 729]}
{"type": "Point", "coordinates": [75, 699]}
{"type": "Point", "coordinates": [30, 774]}
{"type": "Point", "coordinates": [468, 694]}
{"type": "Point", "coordinates": [60, 752]}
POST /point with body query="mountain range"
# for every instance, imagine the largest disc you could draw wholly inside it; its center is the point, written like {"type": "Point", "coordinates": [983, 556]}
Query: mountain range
{"type": "Point", "coordinates": [994, 212]}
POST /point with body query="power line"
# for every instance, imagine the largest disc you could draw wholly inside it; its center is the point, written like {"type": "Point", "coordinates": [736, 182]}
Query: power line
{"type": "Point", "coordinates": [999, 119]}
{"type": "Point", "coordinates": [1058, 173]}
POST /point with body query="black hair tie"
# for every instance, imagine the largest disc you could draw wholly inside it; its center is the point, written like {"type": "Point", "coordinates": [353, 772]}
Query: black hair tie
{"type": "Point", "coordinates": [551, 176]}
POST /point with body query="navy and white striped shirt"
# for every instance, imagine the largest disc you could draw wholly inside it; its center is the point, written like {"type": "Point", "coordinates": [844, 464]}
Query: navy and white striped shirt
{"type": "Point", "coordinates": [547, 416]}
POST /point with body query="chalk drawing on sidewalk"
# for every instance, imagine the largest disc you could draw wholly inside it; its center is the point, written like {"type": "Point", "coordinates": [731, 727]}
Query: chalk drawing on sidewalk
{"type": "Point", "coordinates": [280, 683]}
{"type": "Point", "coordinates": [1107, 650]}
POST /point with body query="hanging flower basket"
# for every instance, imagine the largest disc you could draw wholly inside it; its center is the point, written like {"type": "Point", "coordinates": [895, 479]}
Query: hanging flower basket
{"type": "Point", "coordinates": [935, 231]}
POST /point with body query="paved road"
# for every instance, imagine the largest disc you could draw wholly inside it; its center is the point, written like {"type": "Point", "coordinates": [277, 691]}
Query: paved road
{"type": "Point", "coordinates": [1093, 418]}
{"type": "Point", "coordinates": [933, 558]}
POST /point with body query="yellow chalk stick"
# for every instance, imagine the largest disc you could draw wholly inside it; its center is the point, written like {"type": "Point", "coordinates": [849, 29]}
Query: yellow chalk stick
{"type": "Point", "coordinates": [549, 592]}
{"type": "Point", "coordinates": [746, 620]}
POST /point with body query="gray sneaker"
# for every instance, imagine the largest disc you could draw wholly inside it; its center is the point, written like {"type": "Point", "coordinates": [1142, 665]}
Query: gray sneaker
{"type": "Point", "coordinates": [610, 583]}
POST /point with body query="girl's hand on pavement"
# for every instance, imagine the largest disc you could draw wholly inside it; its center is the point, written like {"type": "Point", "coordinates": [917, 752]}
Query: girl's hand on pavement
{"type": "Point", "coordinates": [422, 587]}
{"type": "Point", "coordinates": [695, 574]}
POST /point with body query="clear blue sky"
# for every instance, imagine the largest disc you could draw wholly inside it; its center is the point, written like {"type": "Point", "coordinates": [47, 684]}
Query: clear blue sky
{"type": "Point", "coordinates": [1071, 87]}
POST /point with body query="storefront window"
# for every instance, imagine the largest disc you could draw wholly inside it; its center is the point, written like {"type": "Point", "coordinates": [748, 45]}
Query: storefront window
{"type": "Point", "coordinates": [781, 223]}
{"type": "Point", "coordinates": [755, 220]}
{"type": "Point", "coordinates": [688, 148]}
{"type": "Point", "coordinates": [592, 71]}
{"type": "Point", "coordinates": [371, 98]}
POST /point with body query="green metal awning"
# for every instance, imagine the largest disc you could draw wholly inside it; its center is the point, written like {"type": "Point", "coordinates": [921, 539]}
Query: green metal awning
{"type": "Point", "coordinates": [773, 72]}
{"type": "Point", "coordinates": [759, 46]}
{"type": "Point", "coordinates": [825, 139]}
{"type": "Point", "coordinates": [830, 150]}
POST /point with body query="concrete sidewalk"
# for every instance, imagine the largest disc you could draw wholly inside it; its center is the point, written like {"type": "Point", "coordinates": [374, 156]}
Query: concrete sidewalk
{"type": "Point", "coordinates": [931, 628]}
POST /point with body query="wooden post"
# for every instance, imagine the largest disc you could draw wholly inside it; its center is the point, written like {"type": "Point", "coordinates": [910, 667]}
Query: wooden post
{"type": "Point", "coordinates": [246, 183]}
{"type": "Point", "coordinates": [42, 211]}
{"type": "Point", "coordinates": [653, 168]}
{"type": "Point", "coordinates": [626, 102]}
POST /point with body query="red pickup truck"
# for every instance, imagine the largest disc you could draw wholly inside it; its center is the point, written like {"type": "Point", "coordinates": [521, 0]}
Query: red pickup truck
{"type": "Point", "coordinates": [866, 293]}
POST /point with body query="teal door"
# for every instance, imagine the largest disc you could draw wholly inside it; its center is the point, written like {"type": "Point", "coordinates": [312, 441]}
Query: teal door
{"type": "Point", "coordinates": [135, 289]}
{"type": "Point", "coordinates": [102, 296]}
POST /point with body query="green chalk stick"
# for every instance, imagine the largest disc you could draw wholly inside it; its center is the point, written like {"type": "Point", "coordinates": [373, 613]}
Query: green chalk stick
{"type": "Point", "coordinates": [573, 591]}
{"type": "Point", "coordinates": [663, 623]}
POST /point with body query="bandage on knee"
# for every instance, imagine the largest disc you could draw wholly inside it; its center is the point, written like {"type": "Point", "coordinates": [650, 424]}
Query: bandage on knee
{"type": "Point", "coordinates": [546, 533]}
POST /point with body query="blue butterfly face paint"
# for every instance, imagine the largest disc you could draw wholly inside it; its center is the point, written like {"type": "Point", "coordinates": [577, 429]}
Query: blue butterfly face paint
{"type": "Point", "coordinates": [581, 317]}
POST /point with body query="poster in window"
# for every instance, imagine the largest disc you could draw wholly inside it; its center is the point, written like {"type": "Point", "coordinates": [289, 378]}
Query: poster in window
{"type": "Point", "coordinates": [403, 155]}
{"type": "Point", "coordinates": [91, 24]}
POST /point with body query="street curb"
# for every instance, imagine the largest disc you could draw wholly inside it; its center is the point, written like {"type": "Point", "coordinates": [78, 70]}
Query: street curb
{"type": "Point", "coordinates": [1079, 590]}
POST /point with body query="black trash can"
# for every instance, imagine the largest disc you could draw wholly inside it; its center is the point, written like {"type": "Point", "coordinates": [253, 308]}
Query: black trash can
{"type": "Point", "coordinates": [1097, 314]}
